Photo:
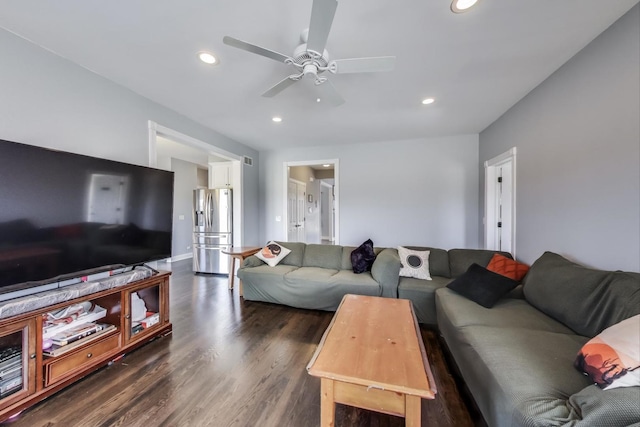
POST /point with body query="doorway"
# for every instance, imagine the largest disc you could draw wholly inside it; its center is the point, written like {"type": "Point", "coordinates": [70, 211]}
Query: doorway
{"type": "Point", "coordinates": [210, 155]}
{"type": "Point", "coordinates": [318, 177]}
{"type": "Point", "coordinates": [327, 214]}
{"type": "Point", "coordinates": [296, 193]}
{"type": "Point", "coordinates": [500, 203]}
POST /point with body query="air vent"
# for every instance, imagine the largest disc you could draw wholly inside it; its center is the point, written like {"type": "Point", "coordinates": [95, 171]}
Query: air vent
{"type": "Point", "coordinates": [248, 161]}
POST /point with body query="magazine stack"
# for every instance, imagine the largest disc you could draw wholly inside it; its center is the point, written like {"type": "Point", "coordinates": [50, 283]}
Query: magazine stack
{"type": "Point", "coordinates": [71, 327]}
{"type": "Point", "coordinates": [10, 370]}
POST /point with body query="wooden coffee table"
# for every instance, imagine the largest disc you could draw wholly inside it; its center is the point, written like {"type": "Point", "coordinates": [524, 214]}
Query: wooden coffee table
{"type": "Point", "coordinates": [372, 356]}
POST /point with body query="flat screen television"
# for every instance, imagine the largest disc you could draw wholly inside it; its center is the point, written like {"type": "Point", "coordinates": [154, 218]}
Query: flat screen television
{"type": "Point", "coordinates": [64, 215]}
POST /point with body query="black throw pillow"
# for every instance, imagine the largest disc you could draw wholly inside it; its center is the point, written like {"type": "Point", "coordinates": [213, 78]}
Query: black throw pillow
{"type": "Point", "coordinates": [482, 286]}
{"type": "Point", "coordinates": [362, 258]}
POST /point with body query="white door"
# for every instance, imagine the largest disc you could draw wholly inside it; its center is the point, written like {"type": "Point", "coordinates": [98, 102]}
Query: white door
{"type": "Point", "coordinates": [295, 211]}
{"type": "Point", "coordinates": [326, 211]}
{"type": "Point", "coordinates": [500, 202]}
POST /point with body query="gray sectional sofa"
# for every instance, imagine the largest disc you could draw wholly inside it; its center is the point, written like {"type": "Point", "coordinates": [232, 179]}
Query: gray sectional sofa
{"type": "Point", "coordinates": [516, 358]}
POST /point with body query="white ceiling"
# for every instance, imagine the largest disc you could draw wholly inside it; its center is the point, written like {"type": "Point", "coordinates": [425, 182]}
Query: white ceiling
{"type": "Point", "coordinates": [477, 64]}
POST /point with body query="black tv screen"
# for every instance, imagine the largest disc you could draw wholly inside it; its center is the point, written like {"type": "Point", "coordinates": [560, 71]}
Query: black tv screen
{"type": "Point", "coordinates": [63, 214]}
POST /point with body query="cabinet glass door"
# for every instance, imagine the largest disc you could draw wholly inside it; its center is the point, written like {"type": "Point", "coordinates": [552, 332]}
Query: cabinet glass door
{"type": "Point", "coordinates": [17, 358]}
{"type": "Point", "coordinates": [144, 311]}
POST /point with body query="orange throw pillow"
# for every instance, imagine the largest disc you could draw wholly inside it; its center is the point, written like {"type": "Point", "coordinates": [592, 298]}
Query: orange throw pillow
{"type": "Point", "coordinates": [508, 267]}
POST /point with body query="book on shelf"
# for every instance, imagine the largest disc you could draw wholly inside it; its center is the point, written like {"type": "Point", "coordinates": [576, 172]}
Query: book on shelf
{"type": "Point", "coordinates": [76, 333]}
{"type": "Point", "coordinates": [151, 319]}
{"type": "Point", "coordinates": [57, 350]}
{"type": "Point", "coordinates": [136, 327]}
{"type": "Point", "coordinates": [10, 386]}
{"type": "Point", "coordinates": [49, 329]}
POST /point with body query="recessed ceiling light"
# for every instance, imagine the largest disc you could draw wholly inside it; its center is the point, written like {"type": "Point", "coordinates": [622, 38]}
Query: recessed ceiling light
{"type": "Point", "coordinates": [459, 6]}
{"type": "Point", "coordinates": [277, 119]}
{"type": "Point", "coordinates": [317, 99]}
{"type": "Point", "coordinates": [207, 58]}
{"type": "Point", "coordinates": [428, 101]}
{"type": "Point", "coordinates": [326, 166]}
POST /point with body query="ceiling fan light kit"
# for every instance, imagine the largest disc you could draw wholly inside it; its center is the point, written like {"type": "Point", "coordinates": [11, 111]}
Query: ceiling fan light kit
{"type": "Point", "coordinates": [311, 59]}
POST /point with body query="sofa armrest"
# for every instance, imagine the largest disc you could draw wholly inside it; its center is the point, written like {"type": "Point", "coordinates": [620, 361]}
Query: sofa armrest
{"type": "Point", "coordinates": [386, 271]}
{"type": "Point", "coordinates": [252, 261]}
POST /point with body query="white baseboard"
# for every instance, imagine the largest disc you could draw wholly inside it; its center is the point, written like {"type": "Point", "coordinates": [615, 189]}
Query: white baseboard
{"type": "Point", "coordinates": [180, 257]}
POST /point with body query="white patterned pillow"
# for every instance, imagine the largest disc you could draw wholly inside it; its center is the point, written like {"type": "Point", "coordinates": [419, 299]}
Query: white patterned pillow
{"type": "Point", "coordinates": [414, 263]}
{"type": "Point", "coordinates": [273, 253]}
{"type": "Point", "coordinates": [611, 359]}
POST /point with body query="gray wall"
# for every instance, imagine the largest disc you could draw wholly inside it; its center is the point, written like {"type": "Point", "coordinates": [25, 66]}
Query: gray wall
{"type": "Point", "coordinates": [51, 102]}
{"type": "Point", "coordinates": [578, 167]}
{"type": "Point", "coordinates": [414, 192]}
{"type": "Point", "coordinates": [185, 181]}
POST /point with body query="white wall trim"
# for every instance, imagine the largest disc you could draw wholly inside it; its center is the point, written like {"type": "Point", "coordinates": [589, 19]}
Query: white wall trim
{"type": "Point", "coordinates": [180, 257]}
{"type": "Point", "coordinates": [185, 139]}
{"type": "Point", "coordinates": [336, 177]}
{"type": "Point", "coordinates": [490, 171]}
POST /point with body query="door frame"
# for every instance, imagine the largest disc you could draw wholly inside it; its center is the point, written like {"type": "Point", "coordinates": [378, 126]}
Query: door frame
{"type": "Point", "coordinates": [336, 204]}
{"type": "Point", "coordinates": [156, 129]}
{"type": "Point", "coordinates": [490, 215]}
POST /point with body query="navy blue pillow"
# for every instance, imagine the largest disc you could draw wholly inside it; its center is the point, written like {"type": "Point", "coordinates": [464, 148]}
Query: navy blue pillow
{"type": "Point", "coordinates": [482, 286]}
{"type": "Point", "coordinates": [362, 257]}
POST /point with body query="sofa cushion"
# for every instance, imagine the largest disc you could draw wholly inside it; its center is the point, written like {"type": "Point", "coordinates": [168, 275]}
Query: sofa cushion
{"type": "Point", "coordinates": [349, 278]}
{"type": "Point", "coordinates": [438, 260]}
{"type": "Point", "coordinates": [617, 407]}
{"type": "Point", "coordinates": [422, 295]}
{"type": "Point", "coordinates": [296, 254]}
{"type": "Point", "coordinates": [507, 313]}
{"type": "Point", "coordinates": [323, 256]}
{"type": "Point", "coordinates": [309, 276]}
{"type": "Point", "coordinates": [461, 259]}
{"type": "Point", "coordinates": [264, 275]}
{"type": "Point", "coordinates": [482, 286]}
{"type": "Point", "coordinates": [517, 373]}
{"type": "Point", "coordinates": [321, 288]}
{"type": "Point", "coordinates": [584, 299]}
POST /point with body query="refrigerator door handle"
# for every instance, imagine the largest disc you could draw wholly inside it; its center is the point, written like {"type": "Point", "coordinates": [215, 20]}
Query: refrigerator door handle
{"type": "Point", "coordinates": [209, 210]}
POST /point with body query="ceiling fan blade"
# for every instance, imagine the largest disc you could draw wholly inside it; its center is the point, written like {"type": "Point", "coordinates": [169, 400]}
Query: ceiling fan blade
{"type": "Point", "coordinates": [230, 41]}
{"type": "Point", "coordinates": [327, 92]}
{"type": "Point", "coordinates": [365, 65]}
{"type": "Point", "coordinates": [322, 13]}
{"type": "Point", "coordinates": [279, 87]}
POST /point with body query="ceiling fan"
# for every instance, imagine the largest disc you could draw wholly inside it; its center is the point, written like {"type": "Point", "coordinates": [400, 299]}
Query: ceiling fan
{"type": "Point", "coordinates": [311, 59]}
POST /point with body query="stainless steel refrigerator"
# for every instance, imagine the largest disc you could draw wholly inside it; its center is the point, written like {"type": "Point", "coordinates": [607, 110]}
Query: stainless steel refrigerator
{"type": "Point", "coordinates": [212, 231]}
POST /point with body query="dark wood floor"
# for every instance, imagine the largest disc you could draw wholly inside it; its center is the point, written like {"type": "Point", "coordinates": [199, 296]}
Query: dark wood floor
{"type": "Point", "coordinates": [228, 363]}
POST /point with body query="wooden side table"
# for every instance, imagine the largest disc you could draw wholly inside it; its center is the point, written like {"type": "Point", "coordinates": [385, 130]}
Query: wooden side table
{"type": "Point", "coordinates": [239, 253]}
